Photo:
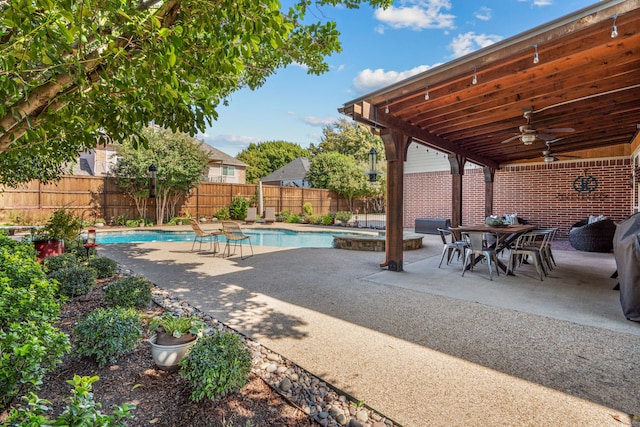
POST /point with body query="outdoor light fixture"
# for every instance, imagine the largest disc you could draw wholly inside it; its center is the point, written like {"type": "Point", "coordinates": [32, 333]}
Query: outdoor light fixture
{"type": "Point", "coordinates": [373, 159]}
{"type": "Point", "coordinates": [386, 109]}
{"type": "Point", "coordinates": [152, 180]}
{"type": "Point", "coordinates": [475, 77]}
{"type": "Point", "coordinates": [426, 93]}
{"type": "Point", "coordinates": [536, 58]}
{"type": "Point", "coordinates": [528, 138]}
{"type": "Point", "coordinates": [614, 29]}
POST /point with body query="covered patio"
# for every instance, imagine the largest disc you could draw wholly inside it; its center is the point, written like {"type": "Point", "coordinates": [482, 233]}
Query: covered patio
{"type": "Point", "coordinates": [566, 88]}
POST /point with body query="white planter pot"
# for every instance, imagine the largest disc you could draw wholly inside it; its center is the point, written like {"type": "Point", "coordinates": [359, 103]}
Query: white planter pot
{"type": "Point", "coordinates": [167, 357]}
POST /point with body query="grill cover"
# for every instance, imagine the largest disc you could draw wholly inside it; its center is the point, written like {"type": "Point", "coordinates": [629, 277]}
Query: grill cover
{"type": "Point", "coordinates": [626, 247]}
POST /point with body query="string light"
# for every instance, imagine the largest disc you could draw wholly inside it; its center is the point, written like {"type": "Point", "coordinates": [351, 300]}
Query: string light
{"type": "Point", "coordinates": [614, 29]}
{"type": "Point", "coordinates": [536, 58]}
{"type": "Point", "coordinates": [426, 93]}
{"type": "Point", "coordinates": [475, 77]}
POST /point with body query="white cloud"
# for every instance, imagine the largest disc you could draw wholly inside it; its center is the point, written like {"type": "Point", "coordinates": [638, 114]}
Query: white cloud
{"type": "Point", "coordinates": [228, 142]}
{"type": "Point", "coordinates": [369, 80]}
{"type": "Point", "coordinates": [417, 15]}
{"type": "Point", "coordinates": [538, 3]}
{"type": "Point", "coordinates": [318, 121]}
{"type": "Point", "coordinates": [466, 43]}
{"type": "Point", "coordinates": [483, 14]}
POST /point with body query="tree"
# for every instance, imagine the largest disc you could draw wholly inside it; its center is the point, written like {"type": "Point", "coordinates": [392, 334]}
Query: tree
{"type": "Point", "coordinates": [349, 138]}
{"type": "Point", "coordinates": [72, 71]}
{"type": "Point", "coordinates": [180, 162]}
{"type": "Point", "coordinates": [339, 173]}
{"type": "Point", "coordinates": [266, 157]}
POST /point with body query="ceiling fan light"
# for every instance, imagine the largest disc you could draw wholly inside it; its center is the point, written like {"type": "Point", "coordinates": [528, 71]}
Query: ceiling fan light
{"type": "Point", "coordinates": [549, 159]}
{"type": "Point", "coordinates": [528, 138]}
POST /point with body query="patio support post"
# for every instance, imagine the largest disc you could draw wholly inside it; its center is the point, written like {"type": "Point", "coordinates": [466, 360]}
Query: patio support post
{"type": "Point", "coordinates": [456, 163]}
{"type": "Point", "coordinates": [489, 176]}
{"type": "Point", "coordinates": [395, 147]}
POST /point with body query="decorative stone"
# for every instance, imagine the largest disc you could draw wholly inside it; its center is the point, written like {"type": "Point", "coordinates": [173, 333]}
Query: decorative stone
{"type": "Point", "coordinates": [285, 384]}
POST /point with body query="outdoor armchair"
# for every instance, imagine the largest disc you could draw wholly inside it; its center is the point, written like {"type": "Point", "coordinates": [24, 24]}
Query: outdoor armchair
{"type": "Point", "coordinates": [236, 237]}
{"type": "Point", "coordinates": [594, 237]}
{"type": "Point", "coordinates": [201, 235]}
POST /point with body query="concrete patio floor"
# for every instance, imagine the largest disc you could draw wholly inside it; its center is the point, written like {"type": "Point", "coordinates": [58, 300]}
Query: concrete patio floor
{"type": "Point", "coordinates": [425, 347]}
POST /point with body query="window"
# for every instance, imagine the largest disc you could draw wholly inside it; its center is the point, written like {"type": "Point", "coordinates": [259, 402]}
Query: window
{"type": "Point", "coordinates": [228, 170]}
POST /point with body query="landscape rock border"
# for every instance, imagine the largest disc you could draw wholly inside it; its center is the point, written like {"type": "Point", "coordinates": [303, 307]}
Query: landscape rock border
{"type": "Point", "coordinates": [325, 403]}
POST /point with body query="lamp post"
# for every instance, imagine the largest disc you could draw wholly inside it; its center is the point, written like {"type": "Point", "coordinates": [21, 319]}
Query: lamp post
{"type": "Point", "coordinates": [373, 159]}
{"type": "Point", "coordinates": [153, 169]}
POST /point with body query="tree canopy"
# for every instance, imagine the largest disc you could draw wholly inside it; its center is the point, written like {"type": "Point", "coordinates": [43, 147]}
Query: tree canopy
{"type": "Point", "coordinates": [266, 157]}
{"type": "Point", "coordinates": [350, 138]}
{"type": "Point", "coordinates": [72, 72]}
{"type": "Point", "coordinates": [179, 159]}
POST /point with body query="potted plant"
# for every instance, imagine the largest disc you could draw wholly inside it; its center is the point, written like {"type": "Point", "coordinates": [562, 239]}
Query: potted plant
{"type": "Point", "coordinates": [63, 226]}
{"type": "Point", "coordinates": [174, 336]}
{"type": "Point", "coordinates": [99, 222]}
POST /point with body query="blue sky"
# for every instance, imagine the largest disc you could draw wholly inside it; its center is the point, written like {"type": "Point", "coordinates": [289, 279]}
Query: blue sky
{"type": "Point", "coordinates": [379, 48]}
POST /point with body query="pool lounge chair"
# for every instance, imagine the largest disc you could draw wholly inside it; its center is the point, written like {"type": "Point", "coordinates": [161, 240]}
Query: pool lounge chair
{"type": "Point", "coordinates": [251, 215]}
{"type": "Point", "coordinates": [269, 215]}
{"type": "Point", "coordinates": [235, 236]}
{"type": "Point", "coordinates": [201, 235]}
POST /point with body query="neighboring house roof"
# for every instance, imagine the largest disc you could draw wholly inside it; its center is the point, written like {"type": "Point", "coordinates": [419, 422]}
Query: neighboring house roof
{"type": "Point", "coordinates": [217, 156]}
{"type": "Point", "coordinates": [295, 170]}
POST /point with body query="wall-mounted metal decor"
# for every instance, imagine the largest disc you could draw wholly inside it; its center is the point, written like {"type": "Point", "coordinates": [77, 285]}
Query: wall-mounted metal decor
{"type": "Point", "coordinates": [585, 184]}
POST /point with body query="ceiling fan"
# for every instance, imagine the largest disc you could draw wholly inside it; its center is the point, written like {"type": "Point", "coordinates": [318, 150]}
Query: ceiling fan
{"type": "Point", "coordinates": [550, 157]}
{"type": "Point", "coordinates": [528, 134]}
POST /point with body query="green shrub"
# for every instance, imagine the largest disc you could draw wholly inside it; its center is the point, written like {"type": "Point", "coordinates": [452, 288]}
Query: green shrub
{"type": "Point", "coordinates": [216, 365]}
{"type": "Point", "coordinates": [293, 219]}
{"type": "Point", "coordinates": [286, 213]}
{"type": "Point", "coordinates": [132, 223]}
{"type": "Point", "coordinates": [328, 219]}
{"type": "Point", "coordinates": [77, 249]}
{"type": "Point", "coordinates": [314, 219]}
{"type": "Point", "coordinates": [108, 334]}
{"type": "Point", "coordinates": [104, 267]}
{"type": "Point", "coordinates": [238, 208]}
{"type": "Point", "coordinates": [134, 292]}
{"type": "Point", "coordinates": [30, 345]}
{"type": "Point", "coordinates": [343, 216]}
{"type": "Point", "coordinates": [120, 220]}
{"type": "Point", "coordinates": [81, 410]}
{"type": "Point", "coordinates": [222, 214]}
{"type": "Point", "coordinates": [307, 208]}
{"type": "Point", "coordinates": [65, 260]}
{"type": "Point", "coordinates": [75, 280]}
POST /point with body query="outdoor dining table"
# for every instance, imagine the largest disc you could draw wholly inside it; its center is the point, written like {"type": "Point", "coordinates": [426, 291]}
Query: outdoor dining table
{"type": "Point", "coordinates": [505, 235]}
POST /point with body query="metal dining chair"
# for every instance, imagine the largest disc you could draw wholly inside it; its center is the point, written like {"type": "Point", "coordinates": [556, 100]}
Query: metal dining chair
{"type": "Point", "coordinates": [477, 246]}
{"type": "Point", "coordinates": [531, 245]}
{"type": "Point", "coordinates": [451, 246]}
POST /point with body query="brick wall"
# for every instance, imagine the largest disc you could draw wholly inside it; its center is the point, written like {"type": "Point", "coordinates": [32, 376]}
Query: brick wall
{"type": "Point", "coordinates": [541, 193]}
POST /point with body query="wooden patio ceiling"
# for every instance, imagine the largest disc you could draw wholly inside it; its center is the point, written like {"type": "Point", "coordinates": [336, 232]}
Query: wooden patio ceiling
{"type": "Point", "coordinates": [585, 79]}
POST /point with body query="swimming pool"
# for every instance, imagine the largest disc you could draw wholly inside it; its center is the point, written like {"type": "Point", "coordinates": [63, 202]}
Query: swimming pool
{"type": "Point", "coordinates": [261, 237]}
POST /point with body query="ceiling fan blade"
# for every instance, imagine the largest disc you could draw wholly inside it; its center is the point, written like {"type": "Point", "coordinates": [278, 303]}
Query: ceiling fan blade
{"type": "Point", "coordinates": [511, 139]}
{"type": "Point", "coordinates": [558, 130]}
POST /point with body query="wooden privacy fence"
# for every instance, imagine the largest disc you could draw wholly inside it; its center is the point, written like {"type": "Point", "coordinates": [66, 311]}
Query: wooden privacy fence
{"type": "Point", "coordinates": [99, 197]}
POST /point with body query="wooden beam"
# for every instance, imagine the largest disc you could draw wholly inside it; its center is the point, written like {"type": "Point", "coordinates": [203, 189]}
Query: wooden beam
{"type": "Point", "coordinates": [456, 163]}
{"type": "Point", "coordinates": [489, 175]}
{"type": "Point", "coordinates": [391, 122]}
{"type": "Point", "coordinates": [395, 144]}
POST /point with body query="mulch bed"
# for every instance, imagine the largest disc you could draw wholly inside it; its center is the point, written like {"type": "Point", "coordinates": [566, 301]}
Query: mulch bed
{"type": "Point", "coordinates": [161, 398]}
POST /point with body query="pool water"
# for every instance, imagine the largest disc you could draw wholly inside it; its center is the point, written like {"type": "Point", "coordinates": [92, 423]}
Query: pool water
{"type": "Point", "coordinates": [259, 237]}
